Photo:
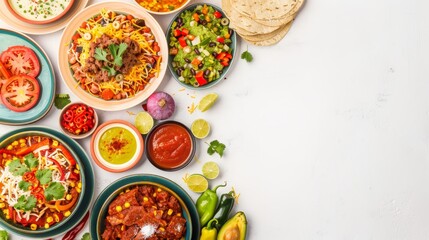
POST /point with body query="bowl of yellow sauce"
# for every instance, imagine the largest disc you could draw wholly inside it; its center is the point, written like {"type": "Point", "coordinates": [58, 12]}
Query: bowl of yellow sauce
{"type": "Point", "coordinates": [116, 146]}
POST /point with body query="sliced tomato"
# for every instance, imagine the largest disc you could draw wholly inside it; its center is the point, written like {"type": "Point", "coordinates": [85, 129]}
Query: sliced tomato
{"type": "Point", "coordinates": [21, 60]}
{"type": "Point", "coordinates": [20, 93]}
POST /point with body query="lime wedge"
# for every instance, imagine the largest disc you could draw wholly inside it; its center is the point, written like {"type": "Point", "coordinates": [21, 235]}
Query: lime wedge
{"type": "Point", "coordinates": [200, 128]}
{"type": "Point", "coordinates": [196, 183]}
{"type": "Point", "coordinates": [210, 170]}
{"type": "Point", "coordinates": [207, 102]}
{"type": "Point", "coordinates": [143, 122]}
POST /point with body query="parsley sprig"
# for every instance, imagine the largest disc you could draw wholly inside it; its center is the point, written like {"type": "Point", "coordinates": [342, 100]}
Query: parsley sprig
{"type": "Point", "coordinates": [246, 55]}
{"type": "Point", "coordinates": [117, 51]}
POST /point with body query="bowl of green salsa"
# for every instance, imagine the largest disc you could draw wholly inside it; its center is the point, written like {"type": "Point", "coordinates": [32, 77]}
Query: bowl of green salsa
{"type": "Point", "coordinates": [116, 146]}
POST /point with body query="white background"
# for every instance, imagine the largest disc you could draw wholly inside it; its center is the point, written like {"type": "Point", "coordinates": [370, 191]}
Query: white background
{"type": "Point", "coordinates": [327, 132]}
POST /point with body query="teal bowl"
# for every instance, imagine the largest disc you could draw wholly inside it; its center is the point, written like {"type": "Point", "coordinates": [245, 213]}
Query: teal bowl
{"type": "Point", "coordinates": [87, 179]}
{"type": "Point", "coordinates": [101, 205]}
{"type": "Point", "coordinates": [233, 47]}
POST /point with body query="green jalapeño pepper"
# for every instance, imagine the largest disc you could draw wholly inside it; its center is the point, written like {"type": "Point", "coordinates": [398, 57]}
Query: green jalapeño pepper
{"type": "Point", "coordinates": [209, 232]}
{"type": "Point", "coordinates": [226, 204]}
{"type": "Point", "coordinates": [206, 204]}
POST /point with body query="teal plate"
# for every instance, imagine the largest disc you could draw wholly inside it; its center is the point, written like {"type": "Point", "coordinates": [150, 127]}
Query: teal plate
{"type": "Point", "coordinates": [233, 46]}
{"type": "Point", "coordinates": [100, 207]}
{"type": "Point", "coordinates": [46, 79]}
{"type": "Point", "coordinates": [88, 180]}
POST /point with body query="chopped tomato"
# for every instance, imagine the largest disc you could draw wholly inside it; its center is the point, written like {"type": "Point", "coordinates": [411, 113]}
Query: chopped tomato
{"type": "Point", "coordinates": [107, 94]}
{"type": "Point", "coordinates": [20, 93]}
{"type": "Point", "coordinates": [182, 42]}
{"type": "Point", "coordinates": [220, 39]}
{"type": "Point", "coordinates": [221, 56]}
{"type": "Point", "coordinates": [200, 78]}
{"type": "Point", "coordinates": [217, 14]}
{"type": "Point", "coordinates": [185, 31]}
{"type": "Point", "coordinates": [177, 33]}
{"type": "Point", "coordinates": [21, 60]}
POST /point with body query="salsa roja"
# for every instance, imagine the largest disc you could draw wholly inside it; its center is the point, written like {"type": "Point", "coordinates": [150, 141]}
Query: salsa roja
{"type": "Point", "coordinates": [169, 146]}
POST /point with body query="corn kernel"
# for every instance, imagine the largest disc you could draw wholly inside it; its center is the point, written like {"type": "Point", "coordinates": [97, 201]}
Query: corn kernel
{"type": "Point", "coordinates": [55, 143]}
{"type": "Point", "coordinates": [123, 228]}
{"type": "Point", "coordinates": [7, 216]}
{"type": "Point", "coordinates": [15, 143]}
{"type": "Point", "coordinates": [6, 211]}
{"type": "Point", "coordinates": [118, 208]}
{"type": "Point", "coordinates": [72, 184]}
{"type": "Point", "coordinates": [4, 155]}
{"type": "Point", "coordinates": [56, 217]}
{"type": "Point", "coordinates": [77, 167]}
{"type": "Point", "coordinates": [78, 190]}
{"type": "Point", "coordinates": [79, 185]}
{"type": "Point", "coordinates": [179, 214]}
{"type": "Point", "coordinates": [50, 219]}
{"type": "Point", "coordinates": [46, 225]}
{"type": "Point", "coordinates": [154, 195]}
{"type": "Point", "coordinates": [22, 145]}
{"type": "Point", "coordinates": [154, 212]}
{"type": "Point", "coordinates": [22, 140]}
{"type": "Point", "coordinates": [7, 162]}
{"type": "Point", "coordinates": [159, 189]}
{"type": "Point", "coordinates": [33, 226]}
{"type": "Point", "coordinates": [9, 147]}
{"type": "Point", "coordinates": [127, 205]}
{"type": "Point", "coordinates": [170, 211]}
{"type": "Point", "coordinates": [66, 214]}
{"type": "Point", "coordinates": [68, 196]}
{"type": "Point", "coordinates": [76, 171]}
{"type": "Point", "coordinates": [127, 190]}
{"type": "Point", "coordinates": [145, 199]}
{"type": "Point", "coordinates": [161, 229]}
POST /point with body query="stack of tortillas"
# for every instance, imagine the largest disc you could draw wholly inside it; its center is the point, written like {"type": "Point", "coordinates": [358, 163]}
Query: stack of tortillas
{"type": "Point", "coordinates": [261, 22]}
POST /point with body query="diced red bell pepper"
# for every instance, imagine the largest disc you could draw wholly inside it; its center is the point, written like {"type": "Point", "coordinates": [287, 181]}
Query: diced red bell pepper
{"type": "Point", "coordinates": [228, 55]}
{"type": "Point", "coordinates": [221, 56]}
{"type": "Point", "coordinates": [177, 33]}
{"type": "Point", "coordinates": [200, 78]}
{"type": "Point", "coordinates": [196, 62]}
{"type": "Point", "coordinates": [217, 14]}
{"type": "Point", "coordinates": [185, 32]}
{"type": "Point", "coordinates": [225, 62]}
{"type": "Point", "coordinates": [196, 17]}
{"type": "Point", "coordinates": [182, 41]}
{"type": "Point", "coordinates": [220, 39]}
{"type": "Point", "coordinates": [60, 169]}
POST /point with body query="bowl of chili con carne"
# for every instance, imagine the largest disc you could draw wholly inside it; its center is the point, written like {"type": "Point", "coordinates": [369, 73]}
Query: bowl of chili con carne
{"type": "Point", "coordinates": [147, 207]}
{"type": "Point", "coordinates": [170, 146]}
{"type": "Point", "coordinates": [116, 146]}
{"type": "Point", "coordinates": [78, 120]}
{"type": "Point", "coordinates": [56, 167]}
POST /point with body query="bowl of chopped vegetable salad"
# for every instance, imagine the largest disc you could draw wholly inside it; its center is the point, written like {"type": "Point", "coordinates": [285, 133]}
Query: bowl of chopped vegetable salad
{"type": "Point", "coordinates": [201, 46]}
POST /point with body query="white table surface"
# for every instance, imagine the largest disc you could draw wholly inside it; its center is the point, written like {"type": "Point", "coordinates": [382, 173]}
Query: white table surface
{"type": "Point", "coordinates": [326, 133]}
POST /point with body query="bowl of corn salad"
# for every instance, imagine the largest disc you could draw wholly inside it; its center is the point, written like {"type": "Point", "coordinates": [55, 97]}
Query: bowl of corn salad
{"type": "Point", "coordinates": [162, 7]}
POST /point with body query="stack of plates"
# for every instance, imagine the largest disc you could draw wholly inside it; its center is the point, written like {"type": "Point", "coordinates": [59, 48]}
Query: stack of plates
{"type": "Point", "coordinates": [262, 22]}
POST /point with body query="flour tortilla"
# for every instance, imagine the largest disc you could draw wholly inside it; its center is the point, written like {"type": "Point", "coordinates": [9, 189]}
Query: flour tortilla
{"type": "Point", "coordinates": [275, 22]}
{"type": "Point", "coordinates": [267, 40]}
{"type": "Point", "coordinates": [264, 9]}
{"type": "Point", "coordinates": [239, 21]}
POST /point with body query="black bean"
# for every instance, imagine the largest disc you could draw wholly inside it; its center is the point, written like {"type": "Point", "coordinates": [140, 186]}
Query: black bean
{"type": "Point", "coordinates": [179, 20]}
{"type": "Point", "coordinates": [187, 60]}
{"type": "Point", "coordinates": [214, 54]}
{"type": "Point", "coordinates": [198, 12]}
{"type": "Point", "coordinates": [203, 22]}
{"type": "Point", "coordinates": [179, 25]}
{"type": "Point", "coordinates": [220, 71]}
{"type": "Point", "coordinates": [182, 68]}
{"type": "Point", "coordinates": [179, 72]}
{"type": "Point", "coordinates": [212, 44]}
{"type": "Point", "coordinates": [79, 49]}
{"type": "Point", "coordinates": [197, 51]}
{"type": "Point", "coordinates": [140, 22]}
{"type": "Point", "coordinates": [193, 71]}
{"type": "Point", "coordinates": [207, 72]}
{"type": "Point", "coordinates": [201, 65]}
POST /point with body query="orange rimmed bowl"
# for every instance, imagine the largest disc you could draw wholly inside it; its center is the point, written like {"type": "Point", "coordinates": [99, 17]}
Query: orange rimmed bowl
{"type": "Point", "coordinates": [116, 146]}
{"type": "Point", "coordinates": [38, 12]}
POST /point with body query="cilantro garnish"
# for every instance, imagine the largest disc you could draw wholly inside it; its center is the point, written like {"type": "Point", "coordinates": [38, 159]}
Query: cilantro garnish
{"type": "Point", "coordinates": [44, 176]}
{"type": "Point", "coordinates": [86, 236]}
{"type": "Point", "coordinates": [54, 191]}
{"type": "Point", "coordinates": [116, 51]}
{"type": "Point", "coordinates": [23, 185]}
{"type": "Point", "coordinates": [61, 100]}
{"type": "Point", "coordinates": [216, 146]}
{"type": "Point", "coordinates": [246, 55]}
{"type": "Point", "coordinates": [17, 168]}
{"type": "Point", "coordinates": [25, 203]}
{"type": "Point", "coordinates": [31, 161]}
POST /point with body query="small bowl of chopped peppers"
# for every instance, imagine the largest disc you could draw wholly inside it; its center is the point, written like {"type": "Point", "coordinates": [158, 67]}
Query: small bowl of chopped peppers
{"type": "Point", "coordinates": [78, 120]}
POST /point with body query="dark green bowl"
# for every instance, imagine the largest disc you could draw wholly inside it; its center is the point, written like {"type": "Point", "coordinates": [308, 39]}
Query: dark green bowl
{"type": "Point", "coordinates": [101, 205]}
{"type": "Point", "coordinates": [87, 179]}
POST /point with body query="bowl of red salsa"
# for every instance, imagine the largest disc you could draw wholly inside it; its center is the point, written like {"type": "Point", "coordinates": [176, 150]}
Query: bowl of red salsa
{"type": "Point", "coordinates": [170, 146]}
